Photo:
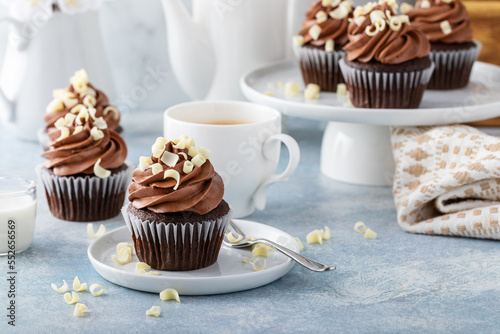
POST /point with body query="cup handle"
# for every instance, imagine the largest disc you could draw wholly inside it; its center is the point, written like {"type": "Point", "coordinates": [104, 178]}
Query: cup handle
{"type": "Point", "coordinates": [259, 197]}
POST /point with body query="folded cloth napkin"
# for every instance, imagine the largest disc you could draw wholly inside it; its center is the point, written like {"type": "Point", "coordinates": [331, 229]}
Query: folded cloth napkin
{"type": "Point", "coordinates": [447, 181]}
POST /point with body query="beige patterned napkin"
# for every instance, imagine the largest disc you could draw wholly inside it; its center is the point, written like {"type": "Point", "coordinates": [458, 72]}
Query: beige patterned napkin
{"type": "Point", "coordinates": [447, 181]}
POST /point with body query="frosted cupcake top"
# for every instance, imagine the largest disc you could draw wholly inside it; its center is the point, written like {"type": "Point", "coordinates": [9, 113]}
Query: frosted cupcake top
{"type": "Point", "coordinates": [445, 21]}
{"type": "Point", "coordinates": [177, 177]}
{"type": "Point", "coordinates": [376, 33]}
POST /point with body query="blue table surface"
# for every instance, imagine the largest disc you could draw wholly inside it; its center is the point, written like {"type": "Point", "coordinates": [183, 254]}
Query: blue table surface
{"type": "Point", "coordinates": [398, 282]}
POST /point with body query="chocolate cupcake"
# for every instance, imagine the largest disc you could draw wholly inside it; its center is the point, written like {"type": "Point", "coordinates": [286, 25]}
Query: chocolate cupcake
{"type": "Point", "coordinates": [318, 46]}
{"type": "Point", "coordinates": [387, 63]}
{"type": "Point", "coordinates": [176, 213]}
{"type": "Point", "coordinates": [447, 25]}
{"type": "Point", "coordinates": [85, 175]}
{"type": "Point", "coordinates": [80, 96]}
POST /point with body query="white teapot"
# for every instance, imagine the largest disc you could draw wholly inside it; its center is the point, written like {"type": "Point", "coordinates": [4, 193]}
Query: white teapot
{"type": "Point", "coordinates": [225, 38]}
{"type": "Point", "coordinates": [41, 55]}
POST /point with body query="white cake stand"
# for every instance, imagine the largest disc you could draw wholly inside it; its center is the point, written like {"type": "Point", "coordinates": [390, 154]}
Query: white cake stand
{"type": "Point", "coordinates": [356, 144]}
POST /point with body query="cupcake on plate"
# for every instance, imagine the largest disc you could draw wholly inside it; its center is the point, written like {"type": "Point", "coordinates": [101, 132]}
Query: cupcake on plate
{"type": "Point", "coordinates": [176, 213]}
{"type": "Point", "coordinates": [387, 63]}
{"type": "Point", "coordinates": [85, 175]}
{"type": "Point", "coordinates": [80, 95]}
{"type": "Point", "coordinates": [318, 46]}
{"type": "Point", "coordinates": [447, 25]}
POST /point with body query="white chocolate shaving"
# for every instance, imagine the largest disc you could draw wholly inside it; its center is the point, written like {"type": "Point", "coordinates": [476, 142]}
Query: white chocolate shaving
{"type": "Point", "coordinates": [158, 148]}
{"type": "Point", "coordinates": [246, 260]}
{"type": "Point", "coordinates": [79, 81]}
{"type": "Point", "coordinates": [181, 144]}
{"type": "Point", "coordinates": [141, 271]}
{"type": "Point", "coordinates": [188, 167]}
{"type": "Point", "coordinates": [88, 91]}
{"type": "Point", "coordinates": [301, 245]}
{"type": "Point", "coordinates": [360, 227]}
{"type": "Point", "coordinates": [143, 166]}
{"type": "Point", "coordinates": [339, 13]}
{"type": "Point", "coordinates": [315, 30]}
{"type": "Point", "coordinates": [321, 17]}
{"type": "Point", "coordinates": [89, 101]}
{"type": "Point", "coordinates": [405, 7]}
{"type": "Point", "coordinates": [169, 158]}
{"type": "Point", "coordinates": [153, 273]}
{"type": "Point", "coordinates": [62, 93]}
{"type": "Point", "coordinates": [96, 289]}
{"type": "Point", "coordinates": [116, 114]}
{"type": "Point", "coordinates": [163, 140]}
{"type": "Point", "coordinates": [62, 289]}
{"type": "Point", "coordinates": [169, 294]}
{"type": "Point", "coordinates": [77, 286]}
{"type": "Point", "coordinates": [192, 152]}
{"type": "Point", "coordinates": [329, 45]}
{"type": "Point", "coordinates": [315, 237]}
{"type": "Point", "coordinates": [70, 103]}
{"type": "Point", "coordinates": [92, 111]}
{"type": "Point", "coordinates": [335, 3]}
{"type": "Point", "coordinates": [64, 133]}
{"type": "Point", "coordinates": [173, 174]}
{"type": "Point", "coordinates": [142, 265]}
{"type": "Point", "coordinates": [312, 92]}
{"type": "Point", "coordinates": [156, 168]}
{"type": "Point", "coordinates": [77, 109]}
{"type": "Point", "coordinates": [205, 152]}
{"type": "Point", "coordinates": [184, 155]}
{"type": "Point", "coordinates": [188, 141]}
{"type": "Point", "coordinates": [61, 122]}
{"type": "Point", "coordinates": [258, 250]}
{"type": "Point", "coordinates": [99, 171]}
{"type": "Point", "coordinates": [198, 160]}
{"type": "Point", "coordinates": [425, 4]}
{"type": "Point", "coordinates": [232, 239]}
{"type": "Point", "coordinates": [298, 40]}
{"type": "Point", "coordinates": [80, 310]}
{"type": "Point", "coordinates": [268, 93]}
{"type": "Point", "coordinates": [124, 245]}
{"type": "Point", "coordinates": [78, 129]}
{"type": "Point", "coordinates": [71, 298]}
{"type": "Point", "coordinates": [292, 89]}
{"type": "Point", "coordinates": [100, 123]}
{"type": "Point", "coordinates": [445, 27]}
{"type": "Point", "coordinates": [370, 234]}
{"type": "Point", "coordinates": [257, 267]}
{"type": "Point", "coordinates": [83, 116]}
{"type": "Point", "coordinates": [69, 118]}
{"type": "Point", "coordinates": [154, 311]}
{"type": "Point", "coordinates": [326, 234]}
{"type": "Point", "coordinates": [326, 3]}
{"type": "Point", "coordinates": [100, 231]}
{"type": "Point", "coordinates": [146, 160]}
{"type": "Point", "coordinates": [341, 89]}
{"type": "Point", "coordinates": [54, 105]}
{"type": "Point", "coordinates": [124, 256]}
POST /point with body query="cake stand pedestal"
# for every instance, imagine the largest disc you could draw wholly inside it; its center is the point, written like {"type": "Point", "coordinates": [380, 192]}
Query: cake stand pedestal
{"type": "Point", "coordinates": [356, 144]}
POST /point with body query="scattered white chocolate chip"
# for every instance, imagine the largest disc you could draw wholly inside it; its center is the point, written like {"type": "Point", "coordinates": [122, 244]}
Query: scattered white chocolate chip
{"type": "Point", "coordinates": [99, 171]}
{"type": "Point", "coordinates": [370, 234]}
{"type": "Point", "coordinates": [329, 45]}
{"type": "Point", "coordinates": [64, 133]}
{"type": "Point", "coordinates": [268, 93]}
{"type": "Point", "coordinates": [405, 7]}
{"type": "Point", "coordinates": [154, 311]}
{"type": "Point", "coordinates": [173, 174]}
{"type": "Point", "coordinates": [188, 167]}
{"type": "Point", "coordinates": [341, 89]}
{"type": "Point", "coordinates": [257, 267]}
{"type": "Point", "coordinates": [71, 298]}
{"type": "Point", "coordinates": [315, 237]}
{"type": "Point", "coordinates": [311, 92]}
{"type": "Point", "coordinates": [62, 289]}
{"type": "Point", "coordinates": [292, 89]}
{"type": "Point", "coordinates": [168, 294]}
{"type": "Point", "coordinates": [205, 152]}
{"type": "Point", "coordinates": [158, 148]}
{"type": "Point", "coordinates": [100, 231]}
{"type": "Point", "coordinates": [78, 129]}
{"type": "Point", "coordinates": [315, 31]}
{"type": "Point", "coordinates": [169, 158]}
{"type": "Point", "coordinates": [192, 152]}
{"type": "Point", "coordinates": [96, 289]}
{"type": "Point", "coordinates": [116, 114]}
{"type": "Point", "coordinates": [360, 227]}
{"type": "Point", "coordinates": [425, 4]}
{"type": "Point", "coordinates": [445, 27]}
{"type": "Point", "coordinates": [80, 310]}
{"type": "Point", "coordinates": [77, 286]}
{"type": "Point", "coordinates": [156, 168]}
{"type": "Point", "coordinates": [232, 239]}
{"type": "Point", "coordinates": [198, 160]}
{"type": "Point", "coordinates": [89, 101]}
{"type": "Point", "coordinates": [321, 17]}
{"type": "Point", "coordinates": [301, 245]}
{"type": "Point", "coordinates": [54, 105]}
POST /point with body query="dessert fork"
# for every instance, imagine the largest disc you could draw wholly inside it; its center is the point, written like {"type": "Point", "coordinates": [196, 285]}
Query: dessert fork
{"type": "Point", "coordinates": [244, 242]}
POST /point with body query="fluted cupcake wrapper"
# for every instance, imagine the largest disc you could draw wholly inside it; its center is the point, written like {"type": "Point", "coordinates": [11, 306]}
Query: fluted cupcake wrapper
{"type": "Point", "coordinates": [320, 67]}
{"type": "Point", "coordinates": [370, 89]}
{"type": "Point", "coordinates": [453, 67]}
{"type": "Point", "coordinates": [175, 247]}
{"type": "Point", "coordinates": [85, 198]}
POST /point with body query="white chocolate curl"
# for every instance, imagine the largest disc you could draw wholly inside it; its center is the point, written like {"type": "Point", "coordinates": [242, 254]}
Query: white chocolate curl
{"type": "Point", "coordinates": [62, 289]}
{"type": "Point", "coordinates": [329, 45]}
{"type": "Point", "coordinates": [71, 298]}
{"type": "Point", "coordinates": [205, 152]}
{"type": "Point", "coordinates": [156, 168]}
{"type": "Point", "coordinates": [64, 133]}
{"type": "Point", "coordinates": [78, 129]}
{"type": "Point", "coordinates": [96, 289]}
{"type": "Point", "coordinates": [77, 286]}
{"type": "Point", "coordinates": [360, 227]}
{"type": "Point", "coordinates": [80, 310]}
{"type": "Point", "coordinates": [315, 30]}
{"type": "Point", "coordinates": [169, 158]}
{"type": "Point", "coordinates": [99, 171]}
{"type": "Point", "coordinates": [321, 17]}
{"type": "Point", "coordinates": [370, 234]}
{"type": "Point", "coordinates": [198, 160]}
{"type": "Point", "coordinates": [100, 231]}
{"type": "Point", "coordinates": [55, 105]}
{"type": "Point", "coordinates": [188, 167]}
{"type": "Point", "coordinates": [158, 148]}
{"type": "Point", "coordinates": [89, 101]}
{"type": "Point", "coordinates": [116, 114]}
{"type": "Point", "coordinates": [100, 123]}
{"type": "Point", "coordinates": [76, 109]}
{"type": "Point", "coordinates": [169, 294]}
{"type": "Point", "coordinates": [298, 40]}
{"type": "Point", "coordinates": [192, 152]}
{"type": "Point", "coordinates": [154, 311]}
{"type": "Point", "coordinates": [173, 174]}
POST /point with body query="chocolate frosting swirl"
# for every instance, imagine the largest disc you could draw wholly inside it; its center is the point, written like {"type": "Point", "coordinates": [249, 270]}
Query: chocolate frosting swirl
{"type": "Point", "coordinates": [200, 191]}
{"type": "Point", "coordinates": [330, 29]}
{"type": "Point", "coordinates": [386, 46]}
{"type": "Point", "coordinates": [428, 21]}
{"type": "Point", "coordinates": [101, 103]}
{"type": "Point", "coordinates": [79, 152]}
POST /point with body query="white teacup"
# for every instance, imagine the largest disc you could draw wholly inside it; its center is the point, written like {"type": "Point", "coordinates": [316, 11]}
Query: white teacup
{"type": "Point", "coordinates": [245, 140]}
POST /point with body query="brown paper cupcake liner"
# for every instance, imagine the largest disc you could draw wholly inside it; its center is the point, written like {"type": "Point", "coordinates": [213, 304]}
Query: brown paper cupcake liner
{"type": "Point", "coordinates": [176, 247]}
{"type": "Point", "coordinates": [320, 67]}
{"type": "Point", "coordinates": [369, 89]}
{"type": "Point", "coordinates": [85, 198]}
{"type": "Point", "coordinates": [453, 67]}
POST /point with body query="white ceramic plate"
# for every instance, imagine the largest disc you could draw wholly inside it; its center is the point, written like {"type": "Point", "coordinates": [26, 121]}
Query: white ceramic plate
{"type": "Point", "coordinates": [228, 274]}
{"type": "Point", "coordinates": [478, 101]}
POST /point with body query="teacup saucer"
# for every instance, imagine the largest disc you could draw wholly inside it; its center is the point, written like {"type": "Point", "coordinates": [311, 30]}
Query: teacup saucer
{"type": "Point", "coordinates": [228, 274]}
